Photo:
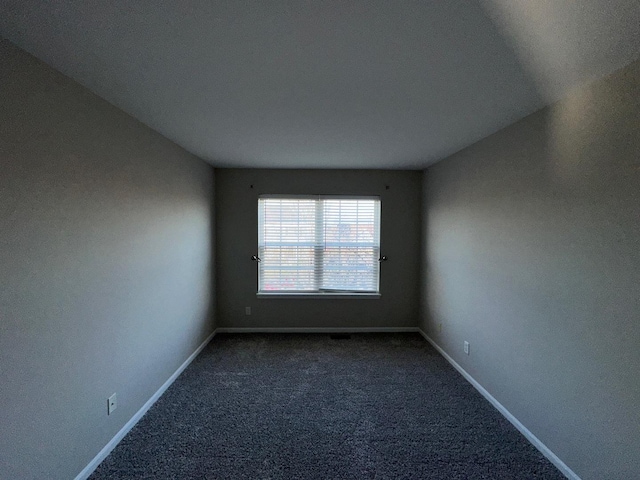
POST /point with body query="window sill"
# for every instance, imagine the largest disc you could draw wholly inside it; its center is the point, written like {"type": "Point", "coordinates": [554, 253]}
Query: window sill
{"type": "Point", "coordinates": [315, 295]}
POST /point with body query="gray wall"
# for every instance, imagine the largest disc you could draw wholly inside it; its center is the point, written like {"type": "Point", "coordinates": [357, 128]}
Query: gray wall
{"type": "Point", "coordinates": [105, 267]}
{"type": "Point", "coordinates": [237, 230]}
{"type": "Point", "coordinates": [532, 248]}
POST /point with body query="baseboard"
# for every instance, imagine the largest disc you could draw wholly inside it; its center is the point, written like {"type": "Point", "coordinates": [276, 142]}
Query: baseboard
{"type": "Point", "coordinates": [317, 330]}
{"type": "Point", "coordinates": [535, 441]}
{"type": "Point", "coordinates": [97, 460]}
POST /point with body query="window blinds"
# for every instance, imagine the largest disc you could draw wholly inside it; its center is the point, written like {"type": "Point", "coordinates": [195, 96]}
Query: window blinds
{"type": "Point", "coordinates": [318, 244]}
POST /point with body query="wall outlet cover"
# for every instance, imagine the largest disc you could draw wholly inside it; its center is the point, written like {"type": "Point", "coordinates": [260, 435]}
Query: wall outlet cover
{"type": "Point", "coordinates": [112, 404]}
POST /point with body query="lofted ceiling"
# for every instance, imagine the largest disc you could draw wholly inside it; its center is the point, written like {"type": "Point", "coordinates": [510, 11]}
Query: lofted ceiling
{"type": "Point", "coordinates": [327, 84]}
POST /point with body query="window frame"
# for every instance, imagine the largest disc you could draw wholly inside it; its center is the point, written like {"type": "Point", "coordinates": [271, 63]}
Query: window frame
{"type": "Point", "coordinates": [327, 293]}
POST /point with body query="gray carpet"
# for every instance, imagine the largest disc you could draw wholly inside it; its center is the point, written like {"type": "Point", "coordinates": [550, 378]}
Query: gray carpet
{"type": "Point", "coordinates": [311, 407]}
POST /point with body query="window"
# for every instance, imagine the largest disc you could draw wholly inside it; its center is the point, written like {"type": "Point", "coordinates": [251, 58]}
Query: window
{"type": "Point", "coordinates": [318, 244]}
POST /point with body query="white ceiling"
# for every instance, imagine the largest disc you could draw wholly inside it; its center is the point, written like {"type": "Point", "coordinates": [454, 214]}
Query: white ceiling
{"type": "Point", "coordinates": [327, 84]}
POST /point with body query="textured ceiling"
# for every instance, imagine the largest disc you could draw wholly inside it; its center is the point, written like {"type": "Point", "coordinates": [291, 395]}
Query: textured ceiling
{"type": "Point", "coordinates": [327, 84]}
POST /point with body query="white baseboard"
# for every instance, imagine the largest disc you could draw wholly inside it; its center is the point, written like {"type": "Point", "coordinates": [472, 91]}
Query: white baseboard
{"type": "Point", "coordinates": [535, 441]}
{"type": "Point", "coordinates": [97, 460]}
{"type": "Point", "coordinates": [317, 330]}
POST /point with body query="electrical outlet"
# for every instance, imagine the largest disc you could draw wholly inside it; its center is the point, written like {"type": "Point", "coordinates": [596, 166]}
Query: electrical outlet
{"type": "Point", "coordinates": [247, 310]}
{"type": "Point", "coordinates": [466, 347]}
{"type": "Point", "coordinates": [112, 404]}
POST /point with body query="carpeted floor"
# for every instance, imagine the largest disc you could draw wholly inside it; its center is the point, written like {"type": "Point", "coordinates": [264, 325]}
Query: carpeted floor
{"type": "Point", "coordinates": [260, 406]}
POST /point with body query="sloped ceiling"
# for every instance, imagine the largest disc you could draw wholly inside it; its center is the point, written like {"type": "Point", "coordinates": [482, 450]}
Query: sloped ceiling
{"type": "Point", "coordinates": [327, 84]}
